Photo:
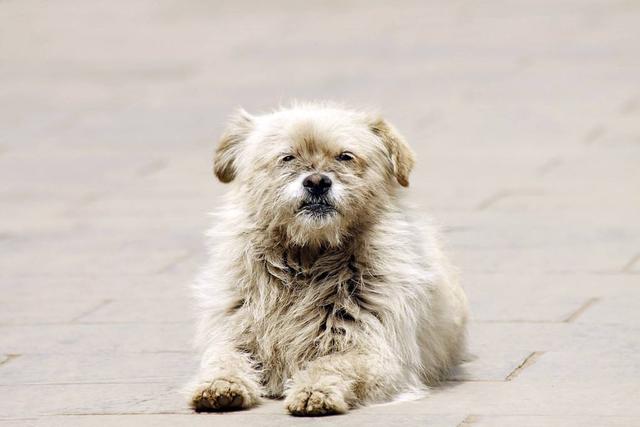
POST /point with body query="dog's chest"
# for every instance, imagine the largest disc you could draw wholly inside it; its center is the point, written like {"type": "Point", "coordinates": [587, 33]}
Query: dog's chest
{"type": "Point", "coordinates": [299, 314]}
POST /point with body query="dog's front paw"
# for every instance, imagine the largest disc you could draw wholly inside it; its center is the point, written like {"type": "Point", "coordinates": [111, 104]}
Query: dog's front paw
{"type": "Point", "coordinates": [223, 394]}
{"type": "Point", "coordinates": [312, 401]}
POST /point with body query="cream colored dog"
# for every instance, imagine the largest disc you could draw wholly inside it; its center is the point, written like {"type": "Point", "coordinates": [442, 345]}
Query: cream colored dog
{"type": "Point", "coordinates": [320, 287]}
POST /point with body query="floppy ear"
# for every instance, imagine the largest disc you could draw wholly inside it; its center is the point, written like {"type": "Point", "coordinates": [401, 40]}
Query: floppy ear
{"type": "Point", "coordinates": [402, 157]}
{"type": "Point", "coordinates": [225, 158]}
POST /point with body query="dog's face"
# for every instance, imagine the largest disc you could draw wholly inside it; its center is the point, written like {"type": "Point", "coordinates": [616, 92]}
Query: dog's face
{"type": "Point", "coordinates": [313, 174]}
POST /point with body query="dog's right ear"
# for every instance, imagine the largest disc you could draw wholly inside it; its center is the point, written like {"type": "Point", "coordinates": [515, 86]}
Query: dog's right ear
{"type": "Point", "coordinates": [401, 155]}
{"type": "Point", "coordinates": [225, 158]}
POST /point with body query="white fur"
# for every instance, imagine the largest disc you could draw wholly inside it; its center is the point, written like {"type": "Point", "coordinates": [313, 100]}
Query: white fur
{"type": "Point", "coordinates": [330, 311]}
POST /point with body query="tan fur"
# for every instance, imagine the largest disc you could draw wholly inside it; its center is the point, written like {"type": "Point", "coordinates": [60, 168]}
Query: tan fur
{"type": "Point", "coordinates": [329, 311]}
{"type": "Point", "coordinates": [238, 129]}
{"type": "Point", "coordinates": [401, 155]}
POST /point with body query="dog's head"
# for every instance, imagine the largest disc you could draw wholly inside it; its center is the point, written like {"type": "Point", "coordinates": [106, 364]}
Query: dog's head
{"type": "Point", "coordinates": [313, 173]}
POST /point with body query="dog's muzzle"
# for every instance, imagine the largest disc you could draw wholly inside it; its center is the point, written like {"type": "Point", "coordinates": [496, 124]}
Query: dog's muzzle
{"type": "Point", "coordinates": [317, 207]}
{"type": "Point", "coordinates": [316, 203]}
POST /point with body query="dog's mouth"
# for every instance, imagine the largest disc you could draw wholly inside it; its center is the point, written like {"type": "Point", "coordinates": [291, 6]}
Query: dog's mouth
{"type": "Point", "coordinates": [317, 208]}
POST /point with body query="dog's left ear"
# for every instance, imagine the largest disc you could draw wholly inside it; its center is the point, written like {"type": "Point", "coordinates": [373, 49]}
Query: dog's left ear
{"type": "Point", "coordinates": [225, 158]}
{"type": "Point", "coordinates": [402, 157]}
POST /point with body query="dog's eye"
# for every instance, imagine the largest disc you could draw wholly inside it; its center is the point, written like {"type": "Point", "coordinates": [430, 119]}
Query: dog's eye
{"type": "Point", "coordinates": [345, 157]}
{"type": "Point", "coordinates": [288, 158]}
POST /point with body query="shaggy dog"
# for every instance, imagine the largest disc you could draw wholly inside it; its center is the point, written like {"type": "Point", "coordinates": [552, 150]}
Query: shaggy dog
{"type": "Point", "coordinates": [320, 287]}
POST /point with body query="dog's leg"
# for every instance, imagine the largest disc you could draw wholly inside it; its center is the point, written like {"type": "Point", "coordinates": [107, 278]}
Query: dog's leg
{"type": "Point", "coordinates": [226, 381]}
{"type": "Point", "coordinates": [333, 384]}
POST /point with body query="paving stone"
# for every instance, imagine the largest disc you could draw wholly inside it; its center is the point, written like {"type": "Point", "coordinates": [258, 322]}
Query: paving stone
{"type": "Point", "coordinates": [616, 309]}
{"type": "Point", "coordinates": [73, 288]}
{"type": "Point", "coordinates": [91, 338]}
{"type": "Point", "coordinates": [240, 419]}
{"type": "Point", "coordinates": [46, 309]}
{"type": "Point", "coordinates": [85, 260]}
{"type": "Point", "coordinates": [18, 401]}
{"type": "Point", "coordinates": [521, 398]}
{"type": "Point", "coordinates": [592, 366]}
{"type": "Point", "coordinates": [527, 147]}
{"type": "Point", "coordinates": [148, 309]}
{"type": "Point", "coordinates": [606, 259]}
{"type": "Point", "coordinates": [554, 336]}
{"type": "Point", "coordinates": [545, 298]}
{"type": "Point", "coordinates": [490, 364]}
{"type": "Point", "coordinates": [552, 421]}
{"type": "Point", "coordinates": [98, 368]}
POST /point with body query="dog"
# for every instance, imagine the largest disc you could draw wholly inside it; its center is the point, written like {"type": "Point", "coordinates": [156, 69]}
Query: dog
{"type": "Point", "coordinates": [320, 287]}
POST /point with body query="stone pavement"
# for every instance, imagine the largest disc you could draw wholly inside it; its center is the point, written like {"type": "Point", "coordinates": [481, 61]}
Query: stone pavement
{"type": "Point", "coordinates": [526, 119]}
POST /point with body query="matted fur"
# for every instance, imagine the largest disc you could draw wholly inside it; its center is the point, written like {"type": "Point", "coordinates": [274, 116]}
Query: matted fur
{"type": "Point", "coordinates": [331, 311]}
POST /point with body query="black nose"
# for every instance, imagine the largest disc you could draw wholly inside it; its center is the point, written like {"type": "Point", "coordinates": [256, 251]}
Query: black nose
{"type": "Point", "coordinates": [317, 184]}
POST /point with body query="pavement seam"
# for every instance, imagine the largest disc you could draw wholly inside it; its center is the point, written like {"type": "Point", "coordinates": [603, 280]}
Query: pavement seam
{"type": "Point", "coordinates": [528, 361]}
{"type": "Point", "coordinates": [630, 106]}
{"type": "Point", "coordinates": [629, 265]}
{"type": "Point", "coordinates": [92, 310]}
{"type": "Point", "coordinates": [584, 307]}
{"type": "Point", "coordinates": [152, 167]}
{"type": "Point", "coordinates": [504, 194]}
{"type": "Point", "coordinates": [96, 323]}
{"type": "Point", "coordinates": [8, 358]}
{"type": "Point", "coordinates": [177, 260]}
{"type": "Point", "coordinates": [91, 414]}
{"type": "Point", "coordinates": [469, 420]}
{"type": "Point", "coordinates": [79, 383]}
{"type": "Point", "coordinates": [595, 134]}
{"type": "Point", "coordinates": [548, 166]}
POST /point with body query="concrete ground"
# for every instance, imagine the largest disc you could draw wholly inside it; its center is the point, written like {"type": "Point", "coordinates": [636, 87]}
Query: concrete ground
{"type": "Point", "coordinates": [526, 119]}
